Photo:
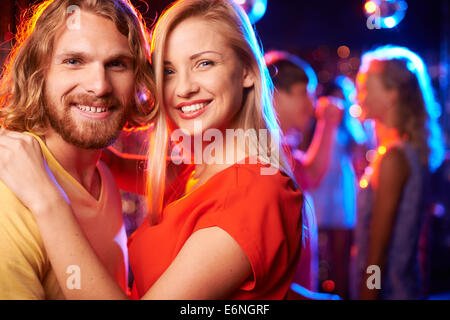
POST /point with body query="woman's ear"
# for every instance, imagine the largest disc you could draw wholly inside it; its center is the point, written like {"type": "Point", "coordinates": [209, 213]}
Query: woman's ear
{"type": "Point", "coordinates": [248, 79]}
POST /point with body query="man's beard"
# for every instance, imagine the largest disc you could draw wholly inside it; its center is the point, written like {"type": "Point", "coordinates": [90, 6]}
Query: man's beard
{"type": "Point", "coordinates": [87, 133]}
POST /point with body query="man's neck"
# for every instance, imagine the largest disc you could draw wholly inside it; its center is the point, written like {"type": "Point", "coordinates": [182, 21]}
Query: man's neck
{"type": "Point", "coordinates": [79, 163]}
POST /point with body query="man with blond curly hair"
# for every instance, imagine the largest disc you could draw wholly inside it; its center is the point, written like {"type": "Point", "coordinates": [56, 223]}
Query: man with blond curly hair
{"type": "Point", "coordinates": [74, 79]}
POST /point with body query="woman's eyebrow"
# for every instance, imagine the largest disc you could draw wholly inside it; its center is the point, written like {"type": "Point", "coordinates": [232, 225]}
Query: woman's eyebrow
{"type": "Point", "coordinates": [194, 56]}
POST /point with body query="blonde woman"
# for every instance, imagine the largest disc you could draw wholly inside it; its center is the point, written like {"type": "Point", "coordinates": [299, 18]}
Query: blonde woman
{"type": "Point", "coordinates": [224, 228]}
{"type": "Point", "coordinates": [394, 89]}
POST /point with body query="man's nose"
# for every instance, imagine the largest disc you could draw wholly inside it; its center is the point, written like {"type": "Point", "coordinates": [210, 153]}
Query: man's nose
{"type": "Point", "coordinates": [97, 81]}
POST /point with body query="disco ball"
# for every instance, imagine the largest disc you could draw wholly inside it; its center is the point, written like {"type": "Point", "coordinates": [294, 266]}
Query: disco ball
{"type": "Point", "coordinates": [255, 9]}
{"type": "Point", "coordinates": [386, 13]}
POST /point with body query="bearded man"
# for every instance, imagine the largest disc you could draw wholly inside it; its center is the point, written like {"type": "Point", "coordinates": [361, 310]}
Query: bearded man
{"type": "Point", "coordinates": [73, 80]}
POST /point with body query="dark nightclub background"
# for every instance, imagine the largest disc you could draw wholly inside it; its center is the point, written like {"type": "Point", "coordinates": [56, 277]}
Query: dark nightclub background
{"type": "Point", "coordinates": [331, 35]}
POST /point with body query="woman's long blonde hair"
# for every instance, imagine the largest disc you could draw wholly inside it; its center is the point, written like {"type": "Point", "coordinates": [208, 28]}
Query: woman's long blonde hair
{"type": "Point", "coordinates": [23, 76]}
{"type": "Point", "coordinates": [257, 110]}
{"type": "Point", "coordinates": [418, 110]}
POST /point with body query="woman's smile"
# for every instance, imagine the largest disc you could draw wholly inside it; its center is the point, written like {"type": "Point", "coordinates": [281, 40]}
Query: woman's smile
{"type": "Point", "coordinates": [193, 109]}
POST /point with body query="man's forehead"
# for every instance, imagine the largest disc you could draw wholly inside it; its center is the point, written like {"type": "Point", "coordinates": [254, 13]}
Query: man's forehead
{"type": "Point", "coordinates": [299, 86]}
{"type": "Point", "coordinates": [96, 35]}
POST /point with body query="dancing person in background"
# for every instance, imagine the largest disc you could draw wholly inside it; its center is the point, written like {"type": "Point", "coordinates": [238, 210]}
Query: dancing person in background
{"type": "Point", "coordinates": [295, 83]}
{"type": "Point", "coordinates": [395, 90]}
{"type": "Point", "coordinates": [335, 197]}
{"type": "Point", "coordinates": [71, 98]}
{"type": "Point", "coordinates": [296, 106]}
{"type": "Point", "coordinates": [221, 229]}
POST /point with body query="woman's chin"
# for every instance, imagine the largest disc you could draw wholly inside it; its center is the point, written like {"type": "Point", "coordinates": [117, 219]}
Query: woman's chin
{"type": "Point", "coordinates": [195, 127]}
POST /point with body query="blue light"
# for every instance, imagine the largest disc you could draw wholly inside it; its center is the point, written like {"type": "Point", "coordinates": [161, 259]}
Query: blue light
{"type": "Point", "coordinates": [353, 125]}
{"type": "Point", "coordinates": [389, 22]}
{"type": "Point", "coordinates": [313, 295]}
{"type": "Point", "coordinates": [348, 88]}
{"type": "Point", "coordinates": [255, 9]}
{"type": "Point", "coordinates": [259, 9]}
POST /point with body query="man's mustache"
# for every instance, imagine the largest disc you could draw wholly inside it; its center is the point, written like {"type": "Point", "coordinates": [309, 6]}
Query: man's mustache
{"type": "Point", "coordinates": [89, 100]}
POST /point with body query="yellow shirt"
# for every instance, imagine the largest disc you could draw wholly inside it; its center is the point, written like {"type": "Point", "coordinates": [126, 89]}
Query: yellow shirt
{"type": "Point", "coordinates": [25, 269]}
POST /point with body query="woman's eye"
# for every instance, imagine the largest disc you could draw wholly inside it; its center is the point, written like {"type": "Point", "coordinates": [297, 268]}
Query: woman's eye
{"type": "Point", "coordinates": [168, 72]}
{"type": "Point", "coordinates": [206, 63]}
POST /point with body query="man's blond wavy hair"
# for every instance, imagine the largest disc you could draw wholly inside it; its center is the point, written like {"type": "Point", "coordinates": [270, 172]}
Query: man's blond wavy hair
{"type": "Point", "coordinates": [22, 83]}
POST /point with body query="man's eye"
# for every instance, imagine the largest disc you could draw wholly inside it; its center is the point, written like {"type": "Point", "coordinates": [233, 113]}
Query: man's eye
{"type": "Point", "coordinates": [72, 61]}
{"type": "Point", "coordinates": [117, 64]}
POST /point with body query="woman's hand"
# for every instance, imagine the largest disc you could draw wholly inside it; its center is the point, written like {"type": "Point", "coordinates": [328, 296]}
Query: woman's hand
{"type": "Point", "coordinates": [313, 165]}
{"type": "Point", "coordinates": [24, 170]}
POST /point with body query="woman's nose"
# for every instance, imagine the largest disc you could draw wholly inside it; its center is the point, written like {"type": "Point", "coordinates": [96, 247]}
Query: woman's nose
{"type": "Point", "coordinates": [187, 85]}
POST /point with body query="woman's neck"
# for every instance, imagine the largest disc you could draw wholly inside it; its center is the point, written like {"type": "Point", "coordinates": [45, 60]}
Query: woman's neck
{"type": "Point", "coordinates": [386, 135]}
{"type": "Point", "coordinates": [215, 160]}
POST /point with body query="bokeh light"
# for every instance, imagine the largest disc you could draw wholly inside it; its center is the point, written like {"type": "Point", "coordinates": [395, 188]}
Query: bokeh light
{"type": "Point", "coordinates": [371, 155]}
{"type": "Point", "coordinates": [255, 9]}
{"type": "Point", "coordinates": [370, 7]}
{"type": "Point", "coordinates": [355, 111]}
{"type": "Point", "coordinates": [363, 183]}
{"type": "Point", "coordinates": [343, 52]}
